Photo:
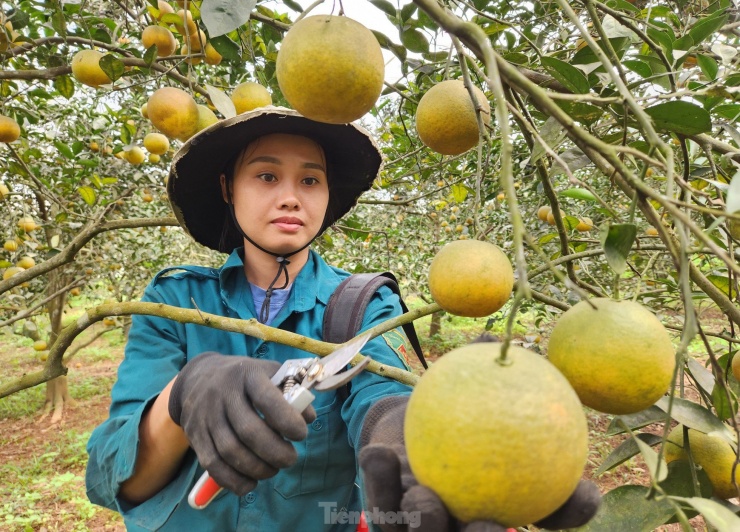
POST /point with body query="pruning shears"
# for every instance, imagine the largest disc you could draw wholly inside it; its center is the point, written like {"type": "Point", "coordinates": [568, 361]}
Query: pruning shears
{"type": "Point", "coordinates": [296, 378]}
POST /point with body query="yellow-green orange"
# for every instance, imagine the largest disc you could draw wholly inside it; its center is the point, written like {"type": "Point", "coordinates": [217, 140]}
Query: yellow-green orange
{"type": "Point", "coordinates": [9, 129]}
{"type": "Point", "coordinates": [446, 119]}
{"type": "Point", "coordinates": [156, 143]}
{"type": "Point", "coordinates": [212, 57]}
{"type": "Point", "coordinates": [206, 117]}
{"type": "Point", "coordinates": [711, 452]}
{"type": "Point", "coordinates": [174, 112]}
{"type": "Point", "coordinates": [86, 68]}
{"type": "Point", "coordinates": [26, 262]}
{"type": "Point", "coordinates": [160, 37]}
{"type": "Point", "coordinates": [330, 68]}
{"type": "Point", "coordinates": [27, 224]}
{"type": "Point", "coordinates": [10, 272]}
{"type": "Point", "coordinates": [249, 95]}
{"type": "Point", "coordinates": [471, 278]}
{"type": "Point", "coordinates": [4, 191]}
{"type": "Point", "coordinates": [39, 345]}
{"type": "Point", "coordinates": [618, 356]}
{"type": "Point", "coordinates": [135, 155]}
{"type": "Point", "coordinates": [503, 442]}
{"type": "Point", "coordinates": [733, 226]}
{"type": "Point", "coordinates": [10, 245]}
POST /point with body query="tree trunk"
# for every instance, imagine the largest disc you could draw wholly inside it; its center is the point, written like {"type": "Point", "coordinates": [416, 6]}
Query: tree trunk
{"type": "Point", "coordinates": [435, 326]}
{"type": "Point", "coordinates": [57, 391]}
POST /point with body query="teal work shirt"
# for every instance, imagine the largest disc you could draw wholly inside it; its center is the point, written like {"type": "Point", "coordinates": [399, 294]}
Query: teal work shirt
{"type": "Point", "coordinates": [303, 497]}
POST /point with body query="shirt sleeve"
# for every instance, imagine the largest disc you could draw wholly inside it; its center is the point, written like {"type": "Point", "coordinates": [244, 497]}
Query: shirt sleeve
{"type": "Point", "coordinates": [388, 349]}
{"type": "Point", "coordinates": [154, 355]}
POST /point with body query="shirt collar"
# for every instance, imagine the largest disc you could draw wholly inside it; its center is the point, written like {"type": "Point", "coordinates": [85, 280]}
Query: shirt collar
{"type": "Point", "coordinates": [312, 283]}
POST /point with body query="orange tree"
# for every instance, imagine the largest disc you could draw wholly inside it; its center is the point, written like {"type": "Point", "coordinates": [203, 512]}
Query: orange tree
{"type": "Point", "coordinates": [607, 168]}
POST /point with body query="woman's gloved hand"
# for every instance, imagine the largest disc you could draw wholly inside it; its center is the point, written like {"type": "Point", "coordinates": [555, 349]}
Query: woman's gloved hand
{"type": "Point", "coordinates": [236, 420]}
{"type": "Point", "coordinates": [391, 487]}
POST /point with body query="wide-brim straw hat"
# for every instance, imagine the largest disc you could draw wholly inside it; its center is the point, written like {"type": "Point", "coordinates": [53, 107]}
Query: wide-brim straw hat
{"type": "Point", "coordinates": [352, 157]}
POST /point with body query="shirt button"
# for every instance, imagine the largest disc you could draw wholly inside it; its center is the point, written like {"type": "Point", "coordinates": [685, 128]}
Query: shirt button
{"type": "Point", "coordinates": [317, 425]}
{"type": "Point", "coordinates": [251, 497]}
{"type": "Point", "coordinates": [261, 350]}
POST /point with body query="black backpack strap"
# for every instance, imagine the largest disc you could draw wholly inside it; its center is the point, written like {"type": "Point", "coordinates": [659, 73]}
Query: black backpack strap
{"type": "Point", "coordinates": [346, 308]}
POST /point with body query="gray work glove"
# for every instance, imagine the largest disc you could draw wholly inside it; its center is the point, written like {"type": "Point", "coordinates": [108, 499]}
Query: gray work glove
{"type": "Point", "coordinates": [391, 487]}
{"type": "Point", "coordinates": [236, 420]}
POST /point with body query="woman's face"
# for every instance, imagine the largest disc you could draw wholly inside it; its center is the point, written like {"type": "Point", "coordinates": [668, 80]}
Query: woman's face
{"type": "Point", "coordinates": [280, 191]}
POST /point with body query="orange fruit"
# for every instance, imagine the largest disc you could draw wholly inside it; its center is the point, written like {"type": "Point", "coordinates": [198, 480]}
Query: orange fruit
{"type": "Point", "coordinates": [160, 37]}
{"type": "Point", "coordinates": [26, 262]}
{"type": "Point", "coordinates": [711, 452]}
{"type": "Point", "coordinates": [584, 225]}
{"type": "Point", "coordinates": [618, 356]}
{"type": "Point", "coordinates": [27, 224]}
{"type": "Point", "coordinates": [481, 433]}
{"type": "Point", "coordinates": [446, 120]}
{"type": "Point", "coordinates": [156, 143]}
{"type": "Point", "coordinates": [543, 212]}
{"type": "Point", "coordinates": [471, 278]}
{"type": "Point", "coordinates": [174, 112]}
{"type": "Point", "coordinates": [4, 191]}
{"type": "Point", "coordinates": [86, 68]}
{"type": "Point", "coordinates": [249, 95]}
{"type": "Point", "coordinates": [10, 131]}
{"type": "Point", "coordinates": [212, 57]}
{"type": "Point", "coordinates": [10, 245]}
{"type": "Point", "coordinates": [330, 68]}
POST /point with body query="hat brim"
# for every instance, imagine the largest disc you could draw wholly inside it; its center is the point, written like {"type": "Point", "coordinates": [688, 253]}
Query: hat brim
{"type": "Point", "coordinates": [353, 161]}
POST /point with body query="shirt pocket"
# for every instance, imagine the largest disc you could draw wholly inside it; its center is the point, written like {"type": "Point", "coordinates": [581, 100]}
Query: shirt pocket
{"type": "Point", "coordinates": [325, 458]}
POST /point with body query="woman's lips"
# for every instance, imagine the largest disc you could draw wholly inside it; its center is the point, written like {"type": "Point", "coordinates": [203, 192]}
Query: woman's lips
{"type": "Point", "coordinates": [288, 224]}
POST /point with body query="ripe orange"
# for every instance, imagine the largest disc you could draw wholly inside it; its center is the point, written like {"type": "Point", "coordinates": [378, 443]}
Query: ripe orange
{"type": "Point", "coordinates": [26, 262]}
{"type": "Point", "coordinates": [710, 451]}
{"type": "Point", "coordinates": [212, 57]}
{"type": "Point", "coordinates": [584, 225]}
{"type": "Point", "coordinates": [10, 131]}
{"type": "Point", "coordinates": [330, 68]}
{"type": "Point", "coordinates": [187, 25]}
{"type": "Point", "coordinates": [10, 245]}
{"type": "Point", "coordinates": [39, 345]}
{"type": "Point", "coordinates": [651, 231]}
{"type": "Point", "coordinates": [174, 112]}
{"type": "Point", "coordinates": [135, 155]}
{"type": "Point", "coordinates": [156, 143]}
{"type": "Point", "coordinates": [543, 212]}
{"type": "Point", "coordinates": [160, 37]}
{"type": "Point", "coordinates": [27, 224]}
{"type": "Point", "coordinates": [10, 272]}
{"type": "Point", "coordinates": [4, 191]}
{"type": "Point", "coordinates": [206, 117]}
{"type": "Point", "coordinates": [249, 95]}
{"type": "Point", "coordinates": [471, 278]}
{"type": "Point", "coordinates": [86, 68]}
{"type": "Point", "coordinates": [504, 442]}
{"type": "Point", "coordinates": [618, 356]}
{"type": "Point", "coordinates": [446, 120]}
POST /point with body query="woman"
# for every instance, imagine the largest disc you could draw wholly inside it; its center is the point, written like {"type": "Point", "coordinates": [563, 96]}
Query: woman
{"type": "Point", "coordinates": [260, 186]}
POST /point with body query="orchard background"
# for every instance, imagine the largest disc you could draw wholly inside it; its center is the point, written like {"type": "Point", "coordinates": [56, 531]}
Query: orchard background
{"type": "Point", "coordinates": [617, 118]}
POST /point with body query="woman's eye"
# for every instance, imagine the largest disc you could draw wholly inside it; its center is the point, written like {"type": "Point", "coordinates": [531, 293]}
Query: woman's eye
{"type": "Point", "coordinates": [311, 181]}
{"type": "Point", "coordinates": [269, 178]}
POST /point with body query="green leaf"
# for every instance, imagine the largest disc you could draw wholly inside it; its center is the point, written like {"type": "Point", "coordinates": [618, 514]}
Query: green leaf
{"type": "Point", "coordinates": [59, 23]}
{"type": "Point", "coordinates": [112, 66]}
{"type": "Point", "coordinates": [723, 283]}
{"type": "Point", "coordinates": [696, 417]}
{"type": "Point", "coordinates": [87, 163]}
{"type": "Point", "coordinates": [586, 56]}
{"type": "Point", "coordinates": [635, 421]}
{"type": "Point", "coordinates": [626, 450]}
{"type": "Point", "coordinates": [125, 135]}
{"type": "Point", "coordinates": [385, 7]}
{"type": "Point", "coordinates": [415, 41]}
{"type": "Point", "coordinates": [626, 508]}
{"type": "Point", "coordinates": [295, 6]}
{"type": "Point", "coordinates": [87, 194]}
{"type": "Point", "coordinates": [407, 11]}
{"type": "Point", "coordinates": [680, 117]}
{"type": "Point", "coordinates": [702, 376]}
{"type": "Point", "coordinates": [223, 103]}
{"type": "Point", "coordinates": [714, 513]}
{"type": "Point", "coordinates": [656, 464]}
{"type": "Point", "coordinates": [730, 111]}
{"type": "Point", "coordinates": [459, 192]}
{"type": "Point", "coordinates": [222, 16]}
{"type": "Point", "coordinates": [622, 5]}
{"type": "Point", "coordinates": [708, 66]}
{"type": "Point", "coordinates": [617, 241]}
{"type": "Point", "coordinates": [578, 193]}
{"type": "Point", "coordinates": [64, 149]}
{"type": "Point", "coordinates": [150, 55]}
{"type": "Point", "coordinates": [228, 49]}
{"type": "Point", "coordinates": [582, 112]}
{"type": "Point", "coordinates": [706, 27]}
{"type": "Point", "coordinates": [680, 482]}
{"type": "Point", "coordinates": [572, 78]}
{"type": "Point", "coordinates": [725, 408]}
{"type": "Point", "coordinates": [640, 68]}
{"type": "Point", "coordinates": [64, 86]}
